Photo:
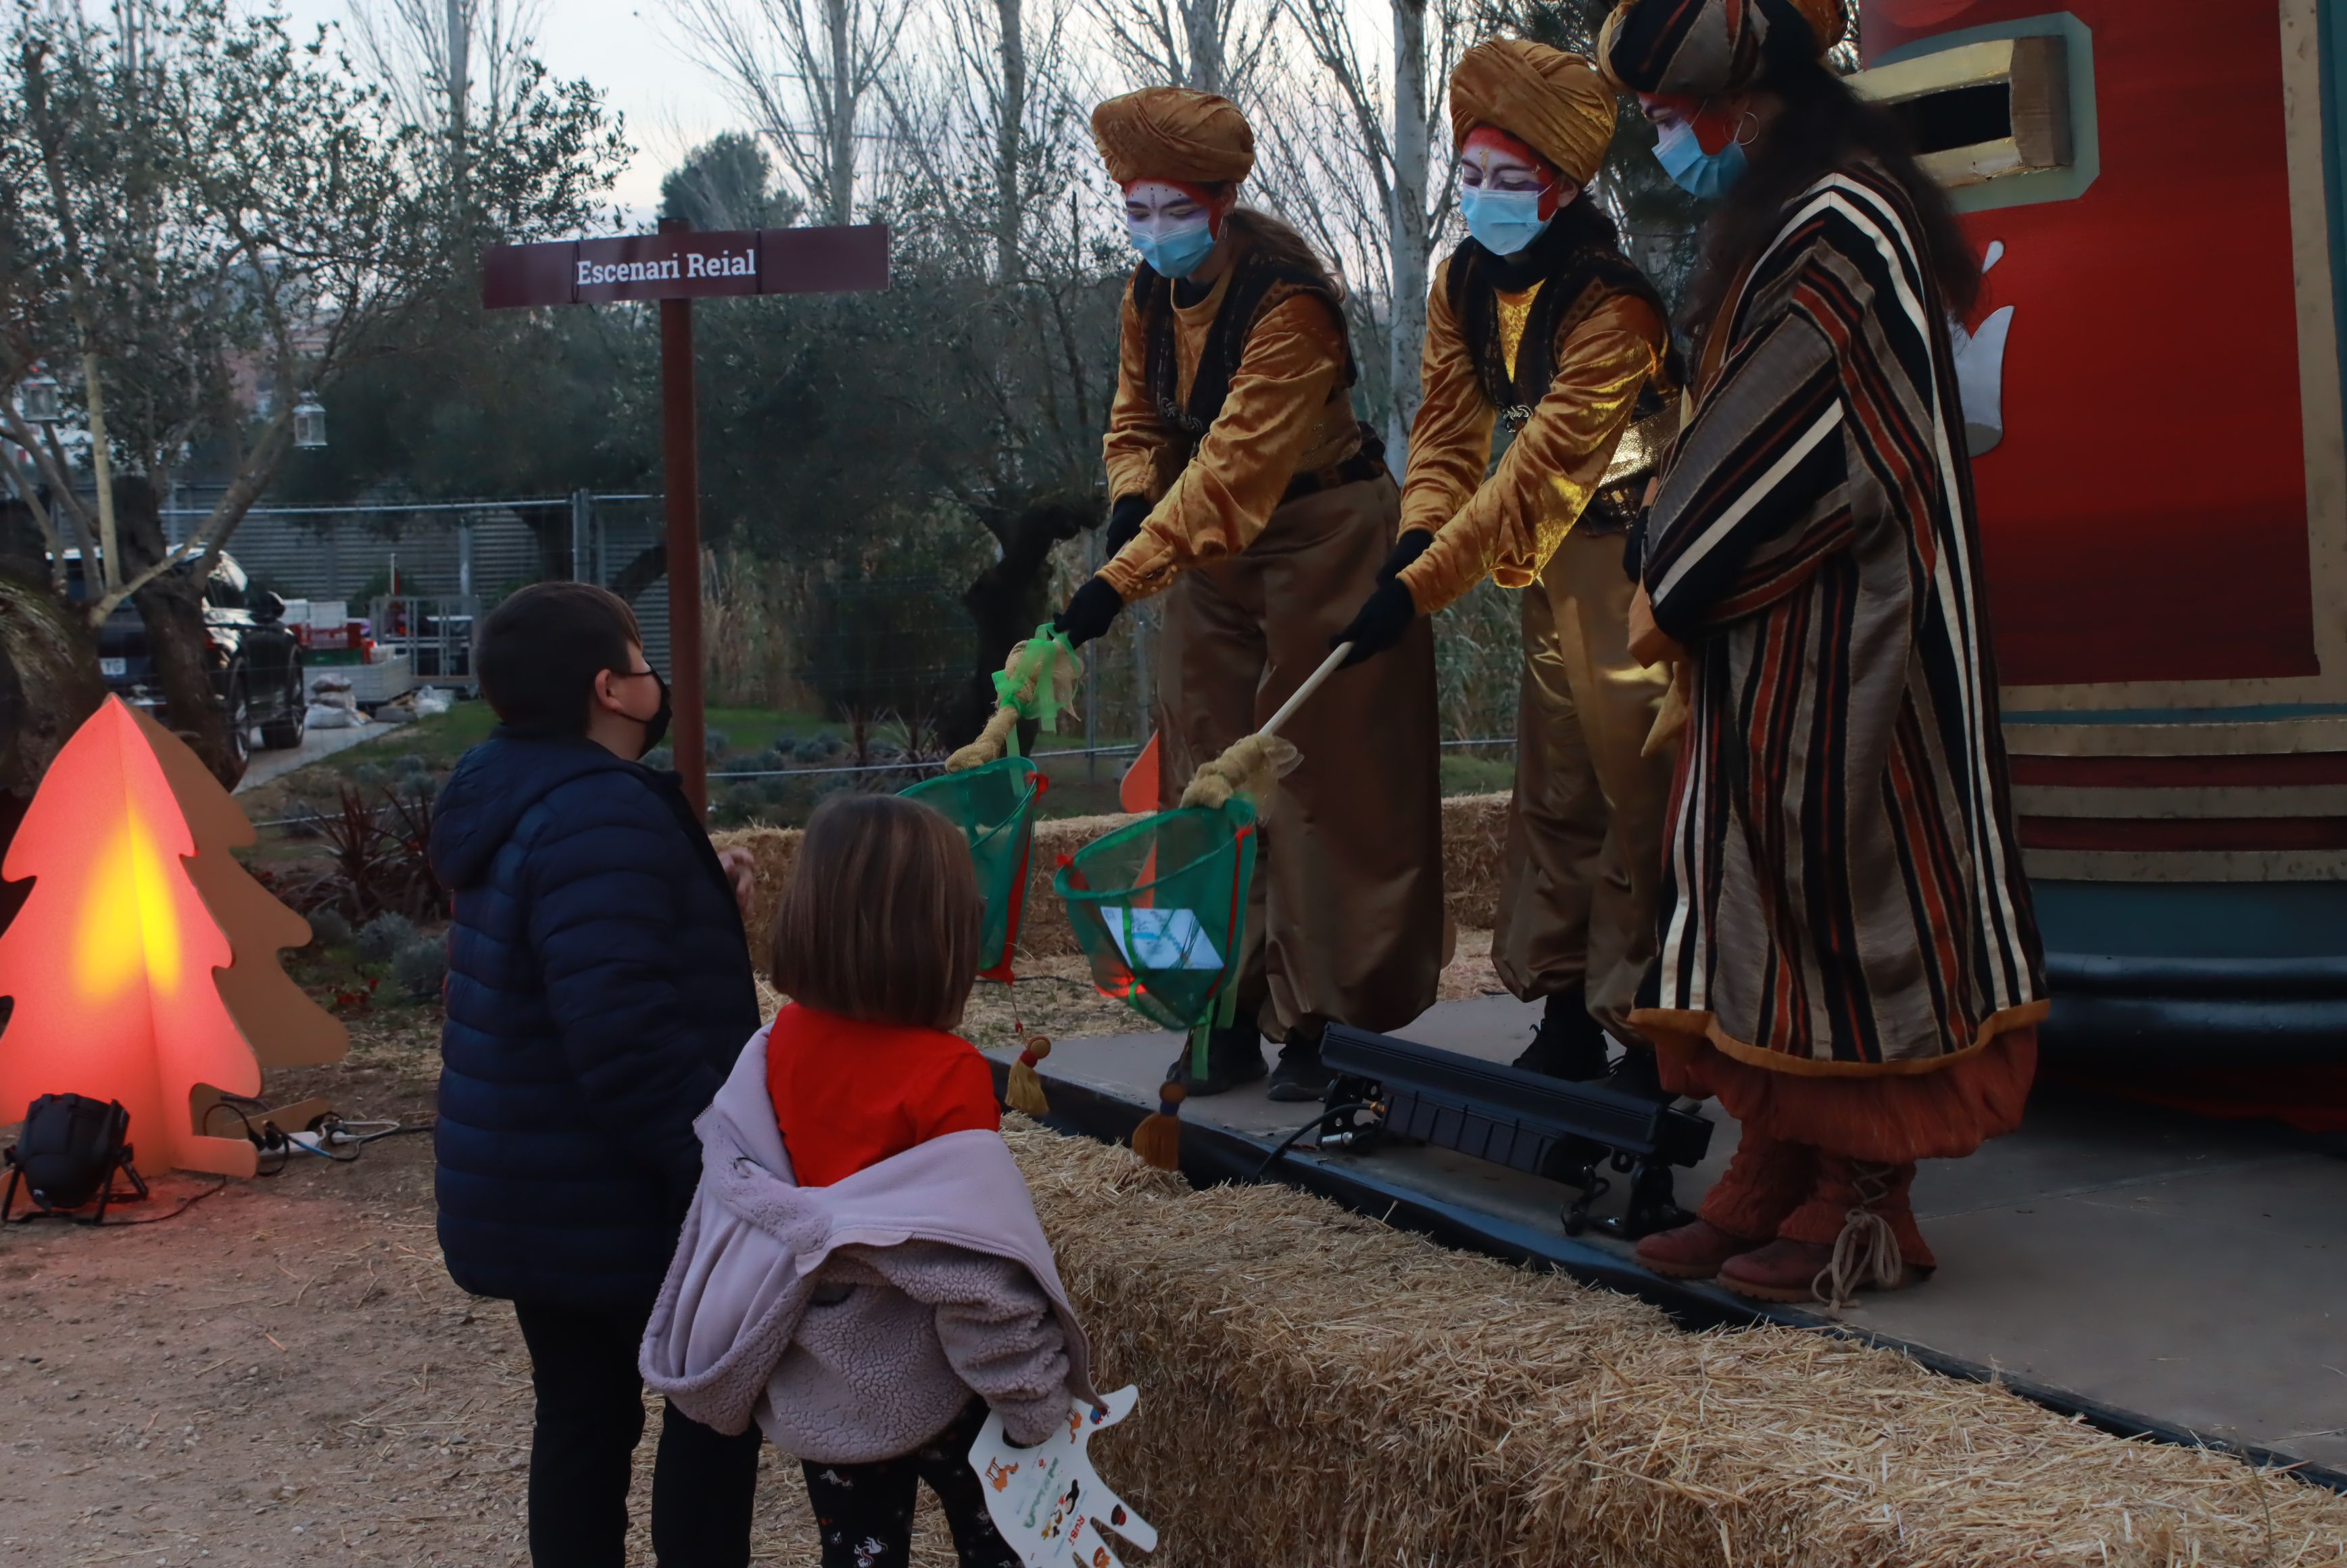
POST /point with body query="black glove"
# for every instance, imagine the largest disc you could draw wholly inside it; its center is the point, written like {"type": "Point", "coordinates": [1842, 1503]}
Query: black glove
{"type": "Point", "coordinates": [1384, 616]}
{"type": "Point", "coordinates": [1091, 611]}
{"type": "Point", "coordinates": [1125, 520]}
{"type": "Point", "coordinates": [1407, 548]}
{"type": "Point", "coordinates": [1634, 548]}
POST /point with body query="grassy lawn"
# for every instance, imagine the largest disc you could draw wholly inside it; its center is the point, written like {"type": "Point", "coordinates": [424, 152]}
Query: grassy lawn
{"type": "Point", "coordinates": [1479, 772]}
{"type": "Point", "coordinates": [755, 729]}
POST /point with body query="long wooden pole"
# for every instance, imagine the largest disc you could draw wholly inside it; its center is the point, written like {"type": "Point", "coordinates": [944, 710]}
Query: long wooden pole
{"type": "Point", "coordinates": [1329, 667]}
{"type": "Point", "coordinates": [681, 460]}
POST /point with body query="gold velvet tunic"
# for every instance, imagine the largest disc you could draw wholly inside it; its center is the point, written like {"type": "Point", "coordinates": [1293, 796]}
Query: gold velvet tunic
{"type": "Point", "coordinates": [1288, 412]}
{"type": "Point", "coordinates": [1507, 526]}
{"type": "Point", "coordinates": [1345, 920]}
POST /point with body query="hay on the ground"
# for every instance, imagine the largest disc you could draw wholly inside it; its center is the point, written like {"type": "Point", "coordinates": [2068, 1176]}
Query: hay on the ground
{"type": "Point", "coordinates": [1319, 1389]}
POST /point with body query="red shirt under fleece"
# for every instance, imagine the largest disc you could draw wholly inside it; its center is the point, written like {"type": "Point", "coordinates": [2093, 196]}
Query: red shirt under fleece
{"type": "Point", "coordinates": [849, 1093]}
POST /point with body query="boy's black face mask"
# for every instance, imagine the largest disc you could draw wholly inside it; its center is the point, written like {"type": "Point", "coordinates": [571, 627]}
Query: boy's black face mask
{"type": "Point", "coordinates": [656, 727]}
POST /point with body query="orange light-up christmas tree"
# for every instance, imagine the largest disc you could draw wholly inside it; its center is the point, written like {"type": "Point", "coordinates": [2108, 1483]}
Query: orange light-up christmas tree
{"type": "Point", "coordinates": [279, 1021]}
{"type": "Point", "coordinates": [127, 983]}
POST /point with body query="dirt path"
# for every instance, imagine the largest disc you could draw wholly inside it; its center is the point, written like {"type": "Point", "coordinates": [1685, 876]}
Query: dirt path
{"type": "Point", "coordinates": [282, 1373]}
{"type": "Point", "coordinates": [283, 1369]}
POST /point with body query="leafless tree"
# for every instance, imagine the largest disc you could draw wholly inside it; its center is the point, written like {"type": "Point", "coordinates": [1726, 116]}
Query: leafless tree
{"type": "Point", "coordinates": [1214, 46]}
{"type": "Point", "coordinates": [802, 71]}
{"type": "Point", "coordinates": [1000, 190]}
{"type": "Point", "coordinates": [1346, 158]}
{"type": "Point", "coordinates": [459, 68]}
{"type": "Point", "coordinates": [1001, 207]}
{"type": "Point", "coordinates": [986, 87]}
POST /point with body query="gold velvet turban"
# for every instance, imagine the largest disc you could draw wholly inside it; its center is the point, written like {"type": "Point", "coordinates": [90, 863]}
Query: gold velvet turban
{"type": "Point", "coordinates": [1173, 133]}
{"type": "Point", "coordinates": [1694, 48]}
{"type": "Point", "coordinates": [1551, 101]}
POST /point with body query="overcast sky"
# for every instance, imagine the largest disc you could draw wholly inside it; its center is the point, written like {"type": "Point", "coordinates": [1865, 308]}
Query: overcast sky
{"type": "Point", "coordinates": [626, 49]}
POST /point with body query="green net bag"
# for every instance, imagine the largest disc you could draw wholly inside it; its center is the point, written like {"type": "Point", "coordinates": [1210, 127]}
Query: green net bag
{"type": "Point", "coordinates": [994, 807]}
{"type": "Point", "coordinates": [1159, 910]}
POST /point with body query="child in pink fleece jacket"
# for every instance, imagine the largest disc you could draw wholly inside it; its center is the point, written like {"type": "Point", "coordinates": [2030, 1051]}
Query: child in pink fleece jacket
{"type": "Point", "coordinates": [869, 1312]}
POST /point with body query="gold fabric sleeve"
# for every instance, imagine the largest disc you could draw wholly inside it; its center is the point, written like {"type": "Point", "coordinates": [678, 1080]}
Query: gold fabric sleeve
{"type": "Point", "coordinates": [1512, 522]}
{"type": "Point", "coordinates": [1276, 411]}
{"type": "Point", "coordinates": [1135, 448]}
{"type": "Point", "coordinates": [1451, 439]}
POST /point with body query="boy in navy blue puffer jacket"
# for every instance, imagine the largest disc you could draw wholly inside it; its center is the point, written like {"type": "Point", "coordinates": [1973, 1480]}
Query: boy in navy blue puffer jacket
{"type": "Point", "coordinates": [599, 991]}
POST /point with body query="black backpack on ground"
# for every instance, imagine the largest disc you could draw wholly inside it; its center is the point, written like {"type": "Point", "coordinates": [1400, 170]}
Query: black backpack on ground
{"type": "Point", "coordinates": [68, 1154]}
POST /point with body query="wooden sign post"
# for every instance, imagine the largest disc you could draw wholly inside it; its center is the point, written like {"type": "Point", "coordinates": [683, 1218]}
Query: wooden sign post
{"type": "Point", "coordinates": [675, 267]}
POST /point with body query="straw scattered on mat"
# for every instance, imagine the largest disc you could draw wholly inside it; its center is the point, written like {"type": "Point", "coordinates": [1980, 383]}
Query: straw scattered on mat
{"type": "Point", "coordinates": [1319, 1391]}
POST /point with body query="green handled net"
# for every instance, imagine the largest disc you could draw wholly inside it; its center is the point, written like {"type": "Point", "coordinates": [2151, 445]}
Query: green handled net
{"type": "Point", "coordinates": [1159, 910]}
{"type": "Point", "coordinates": [994, 807]}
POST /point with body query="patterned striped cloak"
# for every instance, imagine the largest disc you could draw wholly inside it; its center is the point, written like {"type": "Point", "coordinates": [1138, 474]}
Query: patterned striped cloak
{"type": "Point", "coordinates": [1844, 891]}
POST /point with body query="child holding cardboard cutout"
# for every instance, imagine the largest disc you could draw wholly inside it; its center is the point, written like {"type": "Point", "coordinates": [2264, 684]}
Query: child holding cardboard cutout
{"type": "Point", "coordinates": [862, 1270]}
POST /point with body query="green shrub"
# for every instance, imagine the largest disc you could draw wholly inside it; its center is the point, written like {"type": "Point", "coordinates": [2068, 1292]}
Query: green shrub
{"type": "Point", "coordinates": [383, 939]}
{"type": "Point", "coordinates": [420, 968]}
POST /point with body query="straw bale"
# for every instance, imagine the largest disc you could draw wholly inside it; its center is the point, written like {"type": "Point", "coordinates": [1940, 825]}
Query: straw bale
{"type": "Point", "coordinates": [1320, 1390]}
{"type": "Point", "coordinates": [773, 849]}
{"type": "Point", "coordinates": [1044, 930]}
{"type": "Point", "coordinates": [1474, 828]}
{"type": "Point", "coordinates": [1474, 838]}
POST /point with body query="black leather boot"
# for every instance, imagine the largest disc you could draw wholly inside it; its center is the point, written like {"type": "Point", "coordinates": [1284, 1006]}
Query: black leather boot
{"type": "Point", "coordinates": [1234, 1056]}
{"type": "Point", "coordinates": [1299, 1075]}
{"type": "Point", "coordinates": [1568, 1044]}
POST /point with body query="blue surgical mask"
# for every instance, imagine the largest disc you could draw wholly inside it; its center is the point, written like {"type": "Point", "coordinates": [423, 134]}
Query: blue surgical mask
{"type": "Point", "coordinates": [1502, 221]}
{"type": "Point", "coordinates": [1706, 175]}
{"type": "Point", "coordinates": [1176, 249]}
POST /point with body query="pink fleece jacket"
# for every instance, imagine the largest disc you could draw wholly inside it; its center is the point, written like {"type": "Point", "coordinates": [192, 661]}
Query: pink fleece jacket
{"type": "Point", "coordinates": [854, 1321]}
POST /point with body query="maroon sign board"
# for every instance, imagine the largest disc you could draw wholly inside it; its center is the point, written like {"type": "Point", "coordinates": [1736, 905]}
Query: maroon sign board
{"type": "Point", "coordinates": [676, 267]}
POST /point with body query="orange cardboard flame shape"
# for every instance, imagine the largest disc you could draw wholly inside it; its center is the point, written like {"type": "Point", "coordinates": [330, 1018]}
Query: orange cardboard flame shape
{"type": "Point", "coordinates": [111, 961]}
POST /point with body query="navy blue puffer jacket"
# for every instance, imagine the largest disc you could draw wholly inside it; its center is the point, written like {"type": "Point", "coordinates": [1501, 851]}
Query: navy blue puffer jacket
{"type": "Point", "coordinates": [599, 991]}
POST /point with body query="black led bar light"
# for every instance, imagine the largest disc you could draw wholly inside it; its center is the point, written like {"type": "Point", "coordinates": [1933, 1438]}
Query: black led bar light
{"type": "Point", "coordinates": [1525, 1121]}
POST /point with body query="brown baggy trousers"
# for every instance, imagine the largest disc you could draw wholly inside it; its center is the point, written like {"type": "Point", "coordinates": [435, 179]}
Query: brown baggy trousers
{"type": "Point", "coordinates": [1583, 866]}
{"type": "Point", "coordinates": [1345, 923]}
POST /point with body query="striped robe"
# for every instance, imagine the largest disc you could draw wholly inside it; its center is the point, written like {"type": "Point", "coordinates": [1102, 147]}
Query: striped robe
{"type": "Point", "coordinates": [1843, 890]}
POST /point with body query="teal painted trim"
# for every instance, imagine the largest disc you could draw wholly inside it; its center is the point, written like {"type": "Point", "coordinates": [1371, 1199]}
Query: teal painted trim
{"type": "Point", "coordinates": [2085, 134]}
{"type": "Point", "coordinates": [2193, 919]}
{"type": "Point", "coordinates": [2266, 713]}
{"type": "Point", "coordinates": [2329, 29]}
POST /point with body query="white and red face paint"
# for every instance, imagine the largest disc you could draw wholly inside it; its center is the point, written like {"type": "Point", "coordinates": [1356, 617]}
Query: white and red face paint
{"type": "Point", "coordinates": [1491, 160]}
{"type": "Point", "coordinates": [1175, 224]}
{"type": "Point", "coordinates": [1714, 126]}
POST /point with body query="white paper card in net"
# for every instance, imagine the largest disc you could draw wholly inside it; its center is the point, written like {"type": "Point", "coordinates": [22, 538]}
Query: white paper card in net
{"type": "Point", "coordinates": [1161, 938]}
{"type": "Point", "coordinates": [1048, 1501]}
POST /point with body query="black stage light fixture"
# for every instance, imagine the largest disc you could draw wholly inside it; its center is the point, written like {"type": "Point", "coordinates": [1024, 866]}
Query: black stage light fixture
{"type": "Point", "coordinates": [1382, 1088]}
{"type": "Point", "coordinates": [68, 1155]}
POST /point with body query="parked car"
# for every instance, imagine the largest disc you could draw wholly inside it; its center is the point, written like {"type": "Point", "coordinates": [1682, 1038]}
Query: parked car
{"type": "Point", "coordinates": [255, 661]}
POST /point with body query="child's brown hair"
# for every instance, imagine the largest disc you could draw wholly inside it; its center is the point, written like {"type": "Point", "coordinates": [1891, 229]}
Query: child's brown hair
{"type": "Point", "coordinates": [880, 918]}
{"type": "Point", "coordinates": [537, 654]}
